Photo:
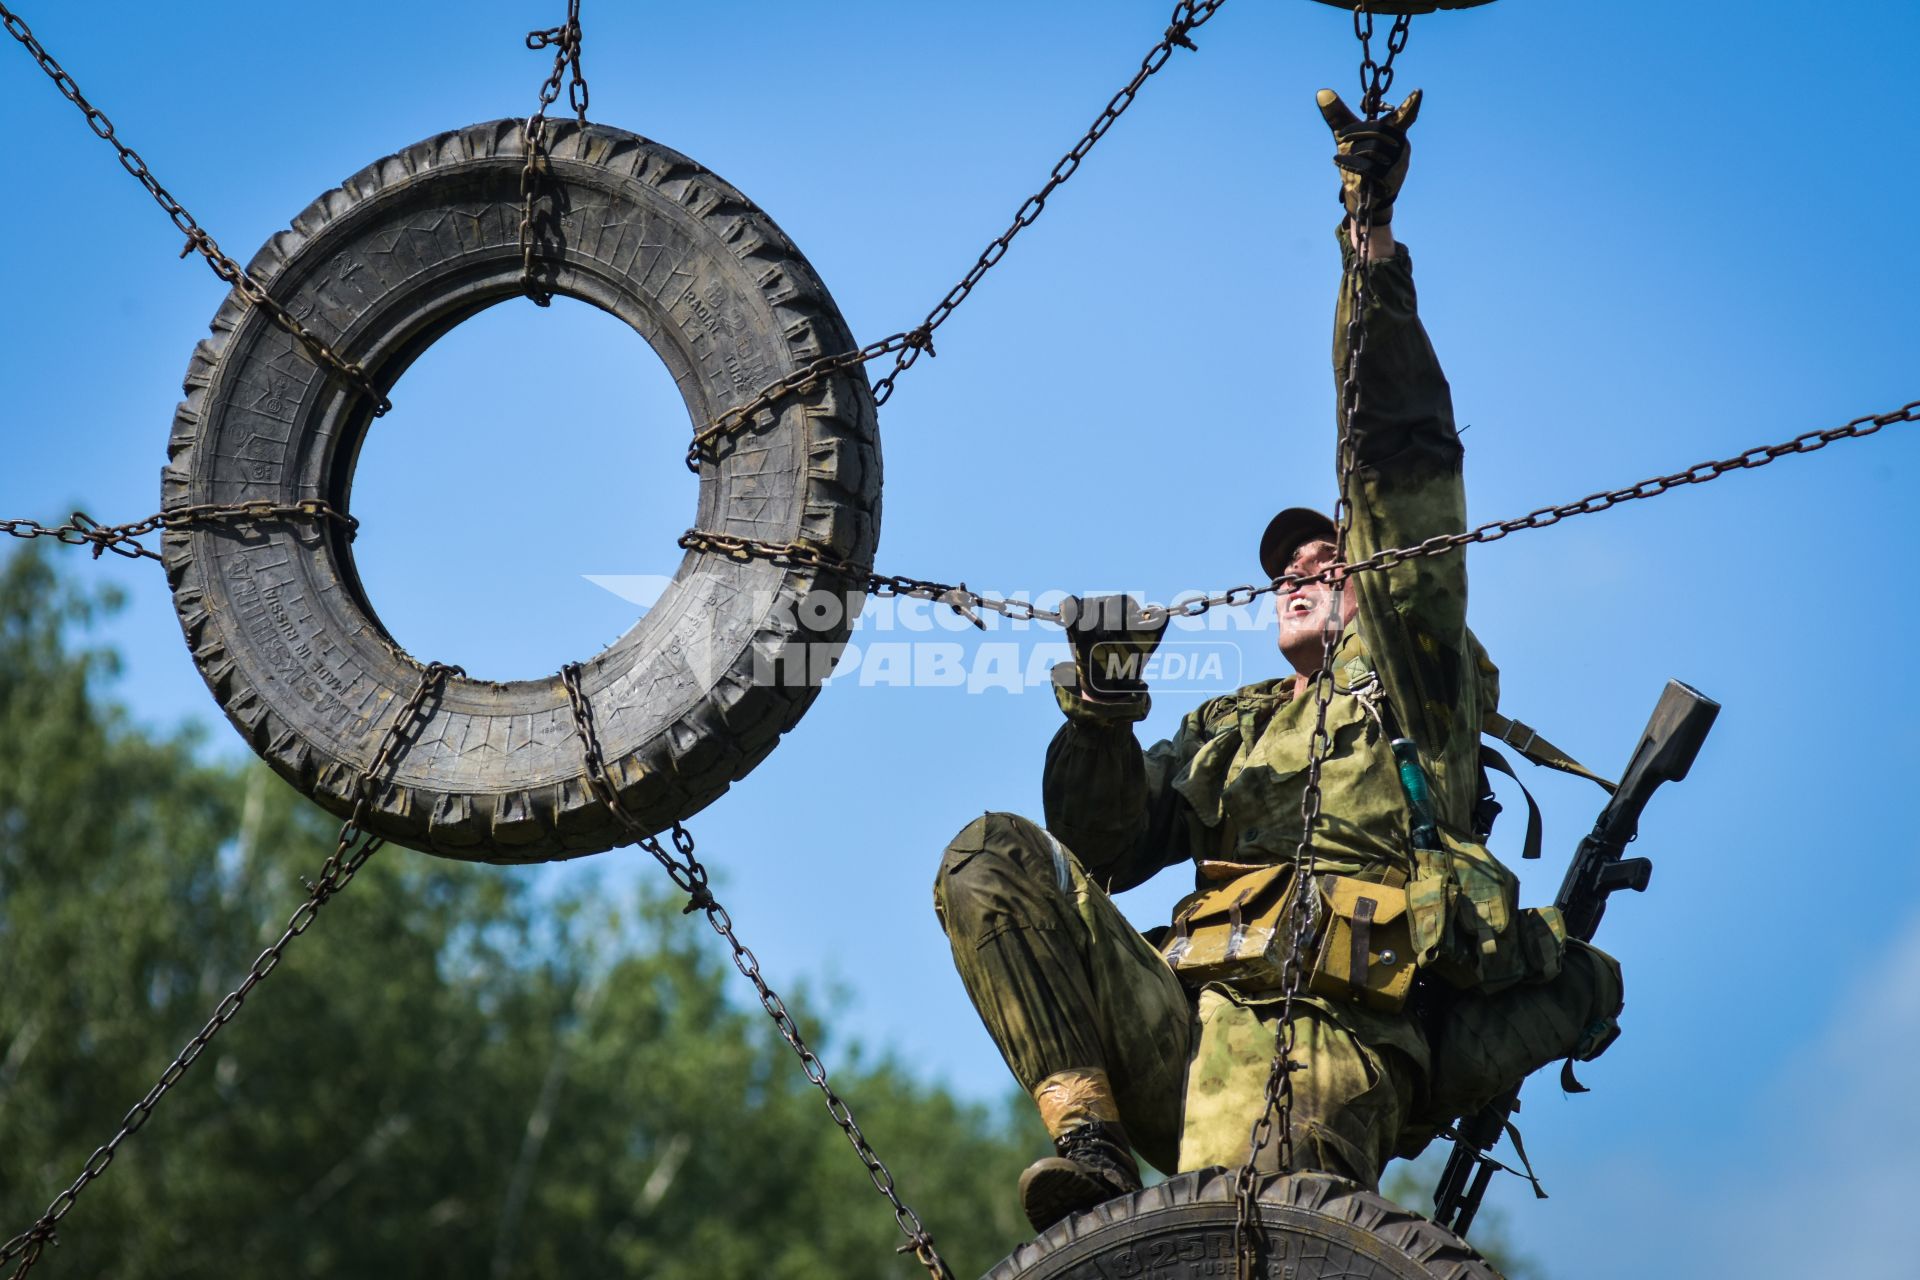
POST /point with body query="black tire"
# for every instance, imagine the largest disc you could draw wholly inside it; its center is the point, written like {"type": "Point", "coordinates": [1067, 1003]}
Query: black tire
{"type": "Point", "coordinates": [380, 267]}
{"type": "Point", "coordinates": [1317, 1228]}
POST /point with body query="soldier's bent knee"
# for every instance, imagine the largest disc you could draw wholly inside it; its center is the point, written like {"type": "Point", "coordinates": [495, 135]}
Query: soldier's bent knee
{"type": "Point", "coordinates": [1001, 837]}
{"type": "Point", "coordinates": [994, 854]}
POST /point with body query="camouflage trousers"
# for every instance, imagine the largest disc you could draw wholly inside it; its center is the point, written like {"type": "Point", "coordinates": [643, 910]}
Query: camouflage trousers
{"type": "Point", "coordinates": [1063, 982]}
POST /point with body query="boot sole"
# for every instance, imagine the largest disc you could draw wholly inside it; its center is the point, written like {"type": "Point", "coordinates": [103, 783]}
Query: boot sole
{"type": "Point", "coordinates": [1052, 1190]}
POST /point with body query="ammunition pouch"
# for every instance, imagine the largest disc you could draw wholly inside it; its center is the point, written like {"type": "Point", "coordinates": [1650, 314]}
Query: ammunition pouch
{"type": "Point", "coordinates": [1465, 918]}
{"type": "Point", "coordinates": [1362, 948]}
{"type": "Point", "coordinates": [1235, 933]}
{"type": "Point", "coordinates": [1365, 952]}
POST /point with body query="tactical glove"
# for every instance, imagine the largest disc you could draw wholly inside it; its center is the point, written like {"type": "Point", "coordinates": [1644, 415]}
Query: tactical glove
{"type": "Point", "coordinates": [1111, 643]}
{"type": "Point", "coordinates": [1372, 154]}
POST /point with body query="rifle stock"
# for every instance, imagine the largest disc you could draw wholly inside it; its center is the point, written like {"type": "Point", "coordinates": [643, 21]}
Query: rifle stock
{"type": "Point", "coordinates": [1664, 753]}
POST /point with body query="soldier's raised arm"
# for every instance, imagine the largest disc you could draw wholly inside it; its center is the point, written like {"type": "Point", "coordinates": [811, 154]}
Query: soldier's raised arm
{"type": "Point", "coordinates": [1407, 484]}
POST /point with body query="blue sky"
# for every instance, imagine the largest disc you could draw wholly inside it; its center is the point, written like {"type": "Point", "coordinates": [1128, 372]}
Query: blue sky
{"type": "Point", "coordinates": [1646, 234]}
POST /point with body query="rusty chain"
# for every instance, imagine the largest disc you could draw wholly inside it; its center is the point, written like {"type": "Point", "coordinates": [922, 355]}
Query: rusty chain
{"type": "Point", "coordinates": [82, 529]}
{"type": "Point", "coordinates": [906, 346]}
{"type": "Point", "coordinates": [688, 873]}
{"type": "Point", "coordinates": [1542, 517]}
{"type": "Point", "coordinates": [350, 853]}
{"type": "Point", "coordinates": [1376, 78]}
{"type": "Point", "coordinates": [962, 600]}
{"type": "Point", "coordinates": [799, 555]}
{"type": "Point", "coordinates": [565, 42]}
{"type": "Point", "coordinates": [197, 238]}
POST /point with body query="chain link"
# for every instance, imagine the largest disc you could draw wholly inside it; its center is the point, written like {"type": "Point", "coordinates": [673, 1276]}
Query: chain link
{"type": "Point", "coordinates": [687, 872]}
{"type": "Point", "coordinates": [350, 853]}
{"type": "Point", "coordinates": [1376, 78]}
{"type": "Point", "coordinates": [197, 238]}
{"type": "Point", "coordinates": [962, 599]}
{"type": "Point", "coordinates": [907, 346]}
{"type": "Point", "coordinates": [123, 539]}
{"type": "Point", "coordinates": [1866, 424]}
{"type": "Point", "coordinates": [565, 42]}
{"type": "Point", "coordinates": [798, 555]}
{"type": "Point", "coordinates": [1698, 473]}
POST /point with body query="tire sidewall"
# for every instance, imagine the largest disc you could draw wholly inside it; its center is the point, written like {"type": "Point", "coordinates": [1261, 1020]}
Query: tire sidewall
{"type": "Point", "coordinates": [703, 684]}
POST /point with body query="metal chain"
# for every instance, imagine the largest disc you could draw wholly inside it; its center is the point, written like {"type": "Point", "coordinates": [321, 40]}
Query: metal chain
{"type": "Point", "coordinates": [961, 599]}
{"type": "Point", "coordinates": [907, 345]}
{"type": "Point", "coordinates": [565, 41]}
{"type": "Point", "coordinates": [798, 555]}
{"type": "Point", "coordinates": [197, 238]}
{"type": "Point", "coordinates": [687, 872]}
{"type": "Point", "coordinates": [1303, 905]}
{"type": "Point", "coordinates": [338, 871]}
{"type": "Point", "coordinates": [1541, 517]}
{"type": "Point", "coordinates": [1376, 78]}
{"type": "Point", "coordinates": [1698, 473]}
{"type": "Point", "coordinates": [123, 539]}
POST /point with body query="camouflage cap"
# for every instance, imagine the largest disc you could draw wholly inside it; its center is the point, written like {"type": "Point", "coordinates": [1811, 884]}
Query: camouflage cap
{"type": "Point", "coordinates": [1286, 531]}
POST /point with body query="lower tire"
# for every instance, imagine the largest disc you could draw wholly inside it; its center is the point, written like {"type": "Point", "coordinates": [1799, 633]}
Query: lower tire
{"type": "Point", "coordinates": [1318, 1227]}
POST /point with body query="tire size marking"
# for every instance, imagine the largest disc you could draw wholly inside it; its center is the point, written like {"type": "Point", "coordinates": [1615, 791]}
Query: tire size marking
{"type": "Point", "coordinates": [264, 614]}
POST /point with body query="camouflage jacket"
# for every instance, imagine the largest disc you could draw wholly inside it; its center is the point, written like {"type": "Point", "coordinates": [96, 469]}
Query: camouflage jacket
{"type": "Point", "coordinates": [1228, 785]}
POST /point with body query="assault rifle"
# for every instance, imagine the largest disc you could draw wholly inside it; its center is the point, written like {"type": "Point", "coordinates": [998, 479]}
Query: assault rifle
{"type": "Point", "coordinates": [1664, 754]}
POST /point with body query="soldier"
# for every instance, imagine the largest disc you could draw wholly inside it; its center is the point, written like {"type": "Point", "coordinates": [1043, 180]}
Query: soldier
{"type": "Point", "coordinates": [1125, 1051]}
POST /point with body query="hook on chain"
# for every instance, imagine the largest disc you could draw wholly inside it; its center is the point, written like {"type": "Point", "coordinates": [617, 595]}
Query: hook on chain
{"type": "Point", "coordinates": [1376, 78]}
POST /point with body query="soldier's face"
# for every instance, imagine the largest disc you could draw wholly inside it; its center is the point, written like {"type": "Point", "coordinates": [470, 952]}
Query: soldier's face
{"type": "Point", "coordinates": [1305, 610]}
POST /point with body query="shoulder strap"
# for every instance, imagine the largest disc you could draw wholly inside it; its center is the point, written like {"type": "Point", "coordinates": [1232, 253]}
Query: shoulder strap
{"type": "Point", "coordinates": [1491, 759]}
{"type": "Point", "coordinates": [1538, 750]}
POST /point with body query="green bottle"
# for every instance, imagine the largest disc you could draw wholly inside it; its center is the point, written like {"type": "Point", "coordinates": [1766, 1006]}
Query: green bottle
{"type": "Point", "coordinates": [1413, 780]}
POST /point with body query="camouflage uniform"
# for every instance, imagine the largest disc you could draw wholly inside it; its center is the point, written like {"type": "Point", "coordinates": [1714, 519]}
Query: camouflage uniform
{"type": "Point", "coordinates": [1063, 982]}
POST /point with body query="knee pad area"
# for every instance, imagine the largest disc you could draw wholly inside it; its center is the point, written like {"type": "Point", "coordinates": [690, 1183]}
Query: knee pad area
{"type": "Point", "coordinates": [992, 873]}
{"type": "Point", "coordinates": [998, 837]}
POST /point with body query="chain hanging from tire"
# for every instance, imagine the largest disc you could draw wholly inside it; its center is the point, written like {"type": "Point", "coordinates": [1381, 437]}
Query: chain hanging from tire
{"type": "Point", "coordinates": [82, 530]}
{"type": "Point", "coordinates": [198, 241]}
{"type": "Point", "coordinates": [688, 873]}
{"type": "Point", "coordinates": [966, 602]}
{"type": "Point", "coordinates": [1303, 908]}
{"type": "Point", "coordinates": [906, 346]}
{"type": "Point", "coordinates": [350, 853]}
{"type": "Point", "coordinates": [565, 41]}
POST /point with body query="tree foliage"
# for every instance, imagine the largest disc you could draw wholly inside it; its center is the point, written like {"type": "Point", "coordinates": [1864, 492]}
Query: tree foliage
{"type": "Point", "coordinates": [459, 1071]}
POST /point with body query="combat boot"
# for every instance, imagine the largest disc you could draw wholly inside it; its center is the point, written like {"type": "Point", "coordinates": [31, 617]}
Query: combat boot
{"type": "Point", "coordinates": [1095, 1164]}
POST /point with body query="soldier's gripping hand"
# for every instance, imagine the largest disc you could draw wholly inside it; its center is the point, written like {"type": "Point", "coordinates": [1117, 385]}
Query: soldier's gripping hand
{"type": "Point", "coordinates": [1372, 154]}
{"type": "Point", "coordinates": [1111, 643]}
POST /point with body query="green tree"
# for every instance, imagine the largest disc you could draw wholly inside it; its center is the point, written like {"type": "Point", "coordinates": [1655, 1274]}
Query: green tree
{"type": "Point", "coordinates": [460, 1071]}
